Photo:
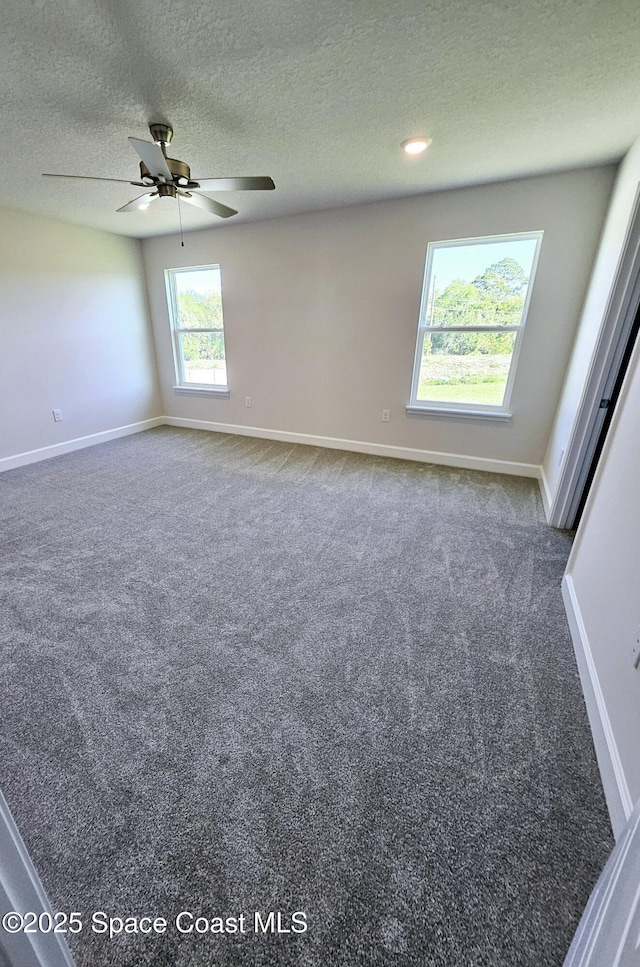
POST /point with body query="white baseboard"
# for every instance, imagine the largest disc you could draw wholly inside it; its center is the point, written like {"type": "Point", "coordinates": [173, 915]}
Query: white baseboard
{"type": "Point", "coordinates": [463, 461]}
{"type": "Point", "coordinates": [56, 449]}
{"type": "Point", "coordinates": [616, 788]}
{"type": "Point", "coordinates": [545, 493]}
{"type": "Point", "coordinates": [358, 446]}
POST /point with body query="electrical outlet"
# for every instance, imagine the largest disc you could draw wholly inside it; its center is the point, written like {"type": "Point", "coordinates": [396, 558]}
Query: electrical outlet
{"type": "Point", "coordinates": [247, 401]}
{"type": "Point", "coordinates": [57, 416]}
{"type": "Point", "coordinates": [635, 651]}
{"type": "Point", "coordinates": [386, 415]}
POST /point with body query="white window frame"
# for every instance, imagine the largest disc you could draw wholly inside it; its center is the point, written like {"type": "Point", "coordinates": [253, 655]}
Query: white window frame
{"type": "Point", "coordinates": [182, 385]}
{"type": "Point", "coordinates": [471, 410]}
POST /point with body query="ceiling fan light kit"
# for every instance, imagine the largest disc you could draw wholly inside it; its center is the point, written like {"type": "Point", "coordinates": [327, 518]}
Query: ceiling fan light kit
{"type": "Point", "coordinates": [170, 177]}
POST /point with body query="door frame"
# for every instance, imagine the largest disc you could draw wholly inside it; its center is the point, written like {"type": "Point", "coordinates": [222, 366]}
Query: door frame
{"type": "Point", "coordinates": [22, 891]}
{"type": "Point", "coordinates": [616, 326]}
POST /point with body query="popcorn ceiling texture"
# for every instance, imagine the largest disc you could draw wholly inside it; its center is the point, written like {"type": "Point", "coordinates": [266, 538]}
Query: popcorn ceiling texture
{"type": "Point", "coordinates": [316, 93]}
{"type": "Point", "coordinates": [240, 675]}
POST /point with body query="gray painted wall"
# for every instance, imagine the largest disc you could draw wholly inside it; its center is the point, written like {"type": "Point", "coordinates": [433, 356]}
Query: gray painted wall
{"type": "Point", "coordinates": [321, 312]}
{"type": "Point", "coordinates": [75, 333]}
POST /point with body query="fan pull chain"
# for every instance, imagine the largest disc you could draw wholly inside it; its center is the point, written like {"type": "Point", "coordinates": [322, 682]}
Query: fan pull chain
{"type": "Point", "coordinates": [180, 217]}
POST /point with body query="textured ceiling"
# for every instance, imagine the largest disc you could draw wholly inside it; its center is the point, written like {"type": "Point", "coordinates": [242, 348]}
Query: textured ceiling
{"type": "Point", "coordinates": [316, 93]}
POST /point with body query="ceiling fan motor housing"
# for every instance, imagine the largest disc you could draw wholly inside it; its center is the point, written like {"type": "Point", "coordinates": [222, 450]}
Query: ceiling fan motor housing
{"type": "Point", "coordinates": [180, 171]}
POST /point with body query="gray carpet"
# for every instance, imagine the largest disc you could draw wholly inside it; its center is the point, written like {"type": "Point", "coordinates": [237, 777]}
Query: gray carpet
{"type": "Point", "coordinates": [243, 676]}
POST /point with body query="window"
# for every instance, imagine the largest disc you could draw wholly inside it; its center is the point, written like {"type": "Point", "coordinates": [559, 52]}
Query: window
{"type": "Point", "coordinates": [195, 309]}
{"type": "Point", "coordinates": [474, 306]}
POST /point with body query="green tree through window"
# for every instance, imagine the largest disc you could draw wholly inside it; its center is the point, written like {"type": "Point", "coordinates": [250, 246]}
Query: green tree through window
{"type": "Point", "coordinates": [472, 319]}
{"type": "Point", "coordinates": [195, 302]}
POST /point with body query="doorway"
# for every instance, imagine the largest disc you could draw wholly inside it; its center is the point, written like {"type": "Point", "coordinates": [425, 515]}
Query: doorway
{"type": "Point", "coordinates": [606, 410]}
{"type": "Point", "coordinates": [609, 363]}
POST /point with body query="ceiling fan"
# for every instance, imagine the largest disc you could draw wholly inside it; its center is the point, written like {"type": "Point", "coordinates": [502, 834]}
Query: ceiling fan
{"type": "Point", "coordinates": [169, 178]}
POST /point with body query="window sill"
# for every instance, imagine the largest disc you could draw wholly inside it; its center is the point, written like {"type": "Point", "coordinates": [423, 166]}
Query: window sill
{"type": "Point", "coordinates": [201, 391]}
{"type": "Point", "coordinates": [492, 416]}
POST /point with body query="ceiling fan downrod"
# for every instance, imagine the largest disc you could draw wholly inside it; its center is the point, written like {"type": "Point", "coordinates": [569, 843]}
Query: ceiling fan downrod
{"type": "Point", "coordinates": [161, 134]}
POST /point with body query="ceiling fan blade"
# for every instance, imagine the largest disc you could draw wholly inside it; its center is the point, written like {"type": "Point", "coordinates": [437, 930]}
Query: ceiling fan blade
{"type": "Point", "coordinates": [209, 205]}
{"type": "Point", "coordinates": [256, 183]}
{"type": "Point", "coordinates": [153, 158]}
{"type": "Point", "coordinates": [121, 181]}
{"type": "Point", "coordinates": [137, 203]}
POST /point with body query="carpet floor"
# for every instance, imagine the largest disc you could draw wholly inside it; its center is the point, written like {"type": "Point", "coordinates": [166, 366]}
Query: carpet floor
{"type": "Point", "coordinates": [242, 677]}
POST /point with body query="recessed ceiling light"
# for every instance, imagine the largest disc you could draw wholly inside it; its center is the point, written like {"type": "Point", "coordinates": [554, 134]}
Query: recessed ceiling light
{"type": "Point", "coordinates": [416, 145]}
{"type": "Point", "coordinates": [141, 207]}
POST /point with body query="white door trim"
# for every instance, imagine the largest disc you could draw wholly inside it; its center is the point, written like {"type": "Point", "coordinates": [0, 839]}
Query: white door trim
{"type": "Point", "coordinates": [22, 891]}
{"type": "Point", "coordinates": [616, 324]}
